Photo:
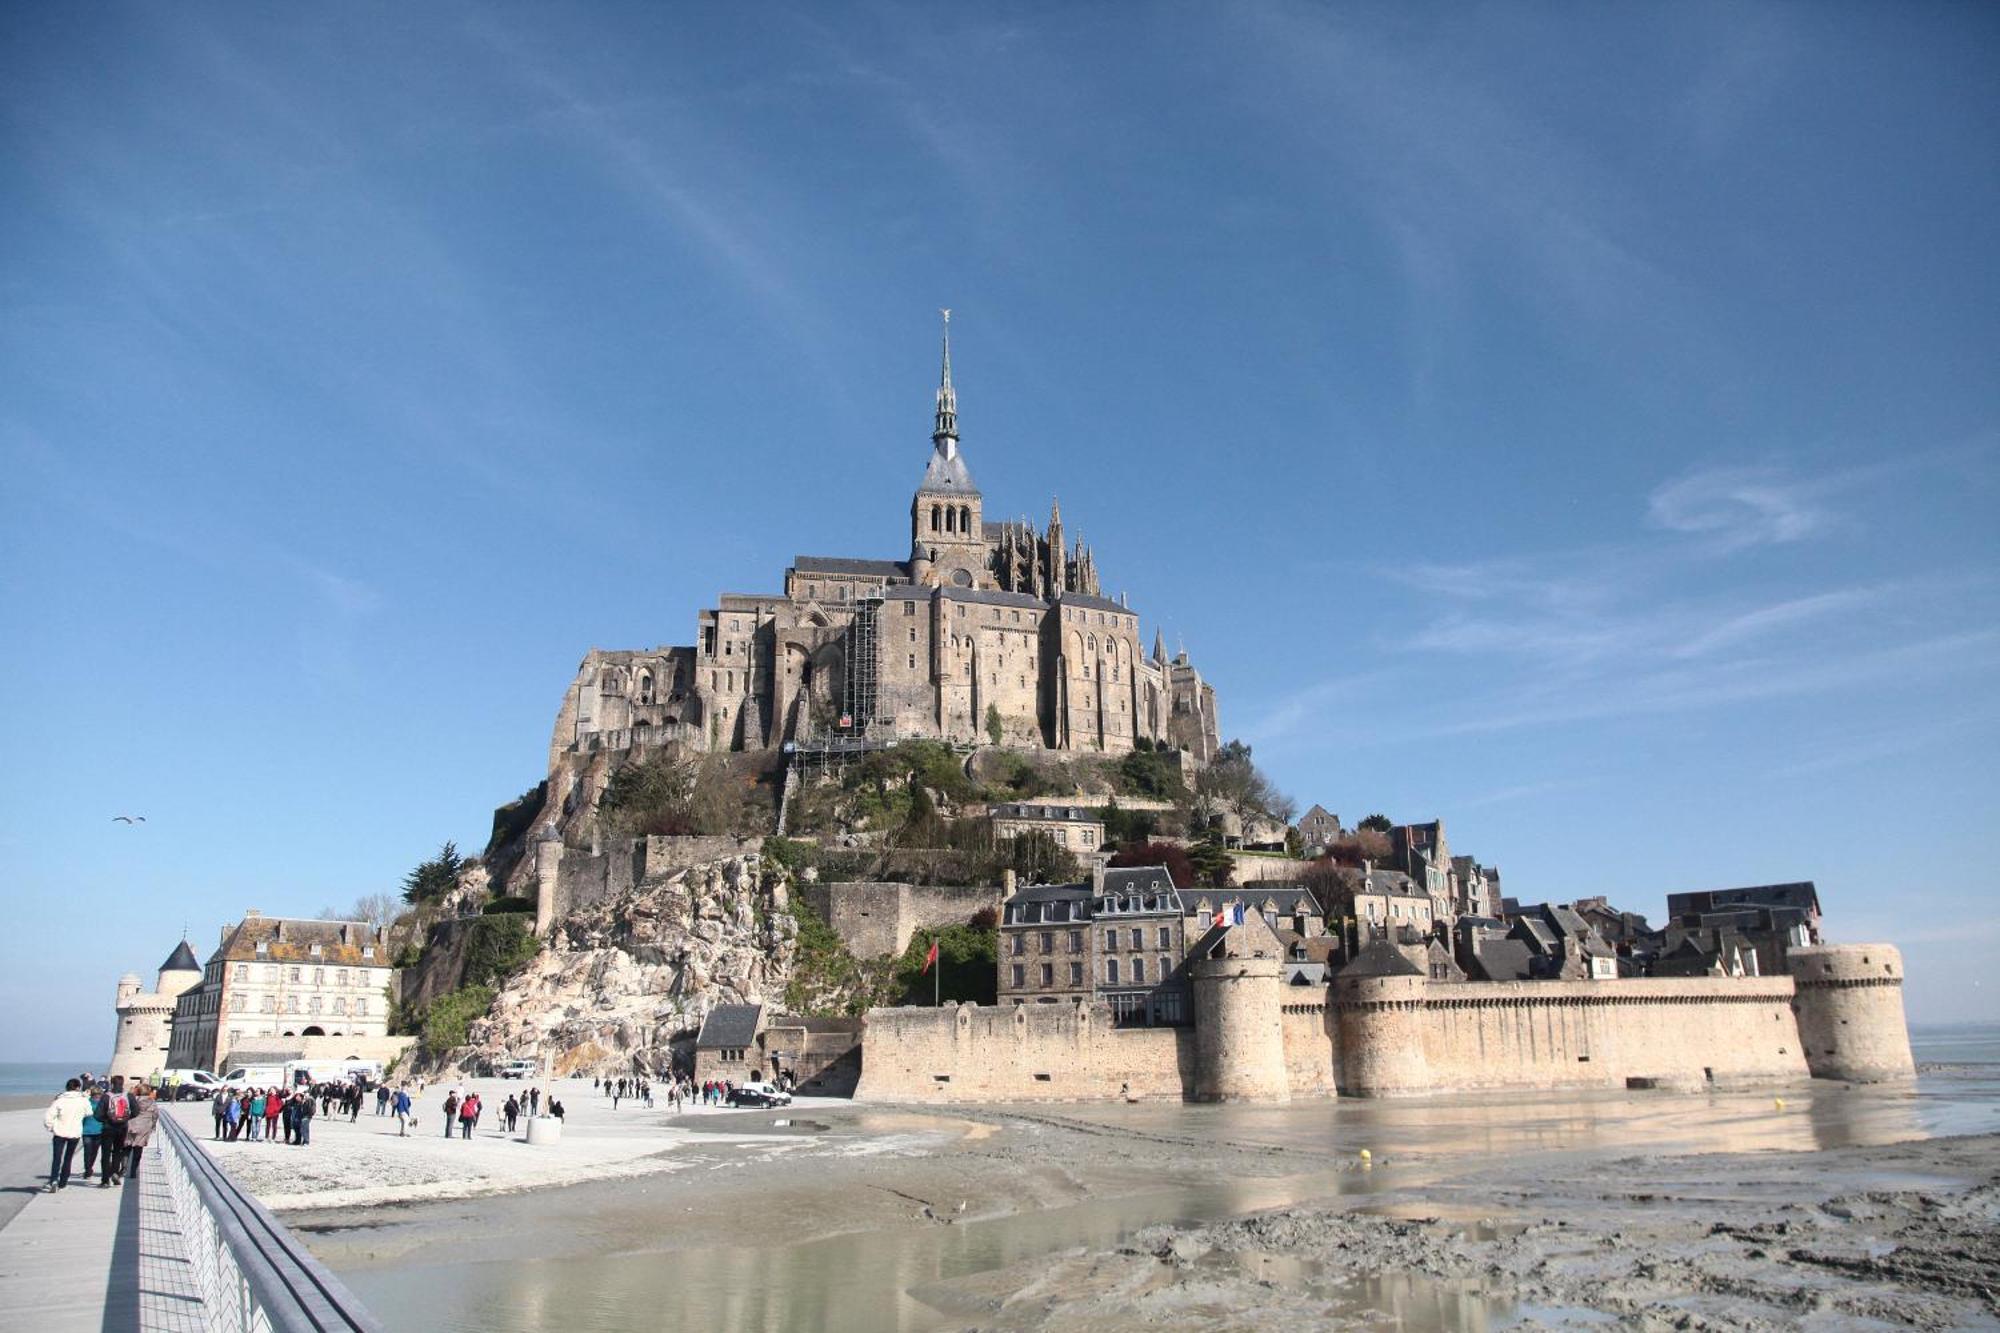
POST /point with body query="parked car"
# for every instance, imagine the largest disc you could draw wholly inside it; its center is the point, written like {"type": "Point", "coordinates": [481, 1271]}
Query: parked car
{"type": "Point", "coordinates": [759, 1094]}
{"type": "Point", "coordinates": [520, 1068]}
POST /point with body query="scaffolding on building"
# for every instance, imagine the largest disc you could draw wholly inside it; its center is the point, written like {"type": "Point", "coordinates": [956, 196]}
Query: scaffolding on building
{"type": "Point", "coordinates": [857, 695]}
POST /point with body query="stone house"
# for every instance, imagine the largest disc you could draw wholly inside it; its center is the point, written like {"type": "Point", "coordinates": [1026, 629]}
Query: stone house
{"type": "Point", "coordinates": [1319, 829]}
{"type": "Point", "coordinates": [741, 1043]}
{"type": "Point", "coordinates": [1074, 827]}
{"type": "Point", "coordinates": [1386, 901]}
{"type": "Point", "coordinates": [1121, 939]}
{"type": "Point", "coordinates": [1283, 906]}
{"type": "Point", "coordinates": [282, 977]}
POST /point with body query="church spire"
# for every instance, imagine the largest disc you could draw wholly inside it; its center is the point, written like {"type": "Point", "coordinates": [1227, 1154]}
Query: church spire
{"type": "Point", "coordinates": [945, 434]}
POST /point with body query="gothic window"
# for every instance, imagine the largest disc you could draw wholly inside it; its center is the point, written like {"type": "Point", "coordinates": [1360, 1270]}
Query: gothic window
{"type": "Point", "coordinates": [935, 516]}
{"type": "Point", "coordinates": [645, 687]}
{"type": "Point", "coordinates": [965, 518]}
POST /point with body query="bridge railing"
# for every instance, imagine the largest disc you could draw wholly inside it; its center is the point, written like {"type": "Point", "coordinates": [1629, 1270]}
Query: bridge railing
{"type": "Point", "coordinates": [252, 1272]}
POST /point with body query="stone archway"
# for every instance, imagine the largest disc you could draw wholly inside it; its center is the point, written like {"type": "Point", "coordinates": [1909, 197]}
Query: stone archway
{"type": "Point", "coordinates": [314, 1031]}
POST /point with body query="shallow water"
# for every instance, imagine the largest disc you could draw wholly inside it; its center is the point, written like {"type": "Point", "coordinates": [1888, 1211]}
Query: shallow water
{"type": "Point", "coordinates": [865, 1281]}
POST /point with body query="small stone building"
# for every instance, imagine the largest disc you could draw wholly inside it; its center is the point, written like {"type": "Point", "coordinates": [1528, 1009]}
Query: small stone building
{"type": "Point", "coordinates": [1073, 827]}
{"type": "Point", "coordinates": [745, 1043]}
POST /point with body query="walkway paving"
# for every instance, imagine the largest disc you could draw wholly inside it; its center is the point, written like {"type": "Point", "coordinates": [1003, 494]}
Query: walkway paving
{"type": "Point", "coordinates": [90, 1258]}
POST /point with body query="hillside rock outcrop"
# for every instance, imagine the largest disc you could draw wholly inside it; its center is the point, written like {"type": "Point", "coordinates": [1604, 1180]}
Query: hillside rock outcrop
{"type": "Point", "coordinates": [625, 980]}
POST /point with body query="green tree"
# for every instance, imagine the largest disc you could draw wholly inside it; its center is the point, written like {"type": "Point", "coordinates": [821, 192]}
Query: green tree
{"type": "Point", "coordinates": [1211, 863]}
{"type": "Point", "coordinates": [994, 728]}
{"type": "Point", "coordinates": [433, 879]}
{"type": "Point", "coordinates": [1379, 823]}
{"type": "Point", "coordinates": [1037, 858]}
{"type": "Point", "coordinates": [967, 967]}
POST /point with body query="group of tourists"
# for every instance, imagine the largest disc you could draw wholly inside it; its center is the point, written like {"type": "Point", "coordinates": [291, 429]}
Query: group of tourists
{"type": "Point", "coordinates": [113, 1124]}
{"type": "Point", "coordinates": [256, 1113]}
{"type": "Point", "coordinates": [680, 1091]}
{"type": "Point", "coordinates": [465, 1109]}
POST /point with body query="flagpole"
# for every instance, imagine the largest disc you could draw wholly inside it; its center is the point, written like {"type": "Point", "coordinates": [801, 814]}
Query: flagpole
{"type": "Point", "coordinates": [937, 968]}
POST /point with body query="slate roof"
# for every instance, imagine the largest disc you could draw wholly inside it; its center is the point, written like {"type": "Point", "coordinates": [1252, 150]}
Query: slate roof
{"type": "Point", "coordinates": [911, 592]}
{"type": "Point", "coordinates": [292, 941]}
{"type": "Point", "coordinates": [1287, 899]}
{"type": "Point", "coordinates": [1381, 959]}
{"type": "Point", "coordinates": [1051, 893]}
{"type": "Point", "coordinates": [840, 564]}
{"type": "Point", "coordinates": [182, 959]}
{"type": "Point", "coordinates": [1137, 879]}
{"type": "Point", "coordinates": [730, 1025]}
{"type": "Point", "coordinates": [1394, 883]}
{"type": "Point", "coordinates": [1800, 895]}
{"type": "Point", "coordinates": [1089, 603]}
{"type": "Point", "coordinates": [947, 476]}
{"type": "Point", "coordinates": [1501, 960]}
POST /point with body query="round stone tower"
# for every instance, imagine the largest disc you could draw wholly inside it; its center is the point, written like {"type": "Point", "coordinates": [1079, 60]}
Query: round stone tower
{"type": "Point", "coordinates": [1379, 999]}
{"type": "Point", "coordinates": [1239, 1037]}
{"type": "Point", "coordinates": [1850, 1011]}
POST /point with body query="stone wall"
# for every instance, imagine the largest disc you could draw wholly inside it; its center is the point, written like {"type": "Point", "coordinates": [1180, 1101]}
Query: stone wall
{"type": "Point", "coordinates": [278, 1050]}
{"type": "Point", "coordinates": [1385, 1036]}
{"type": "Point", "coordinates": [1402, 1035]}
{"type": "Point", "coordinates": [1020, 1053]}
{"type": "Point", "coordinates": [874, 918]}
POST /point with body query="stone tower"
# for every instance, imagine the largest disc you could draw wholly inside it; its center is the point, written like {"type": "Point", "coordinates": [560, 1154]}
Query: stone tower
{"type": "Point", "coordinates": [947, 518]}
{"type": "Point", "coordinates": [1849, 1003]}
{"type": "Point", "coordinates": [146, 1018]}
{"type": "Point", "coordinates": [1239, 1038]}
{"type": "Point", "coordinates": [1380, 998]}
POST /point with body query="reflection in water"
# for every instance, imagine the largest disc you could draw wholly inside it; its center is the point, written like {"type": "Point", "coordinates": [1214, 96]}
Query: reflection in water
{"type": "Point", "coordinates": [863, 1281]}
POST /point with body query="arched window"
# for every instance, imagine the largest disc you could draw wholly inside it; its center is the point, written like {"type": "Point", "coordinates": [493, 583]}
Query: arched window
{"type": "Point", "coordinates": [936, 518]}
{"type": "Point", "coordinates": [645, 687]}
{"type": "Point", "coordinates": [965, 518]}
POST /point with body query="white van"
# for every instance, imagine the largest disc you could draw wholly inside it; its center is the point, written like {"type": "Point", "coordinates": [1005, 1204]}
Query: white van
{"type": "Point", "coordinates": [189, 1084]}
{"type": "Point", "coordinates": [256, 1076]}
{"type": "Point", "coordinates": [520, 1069]}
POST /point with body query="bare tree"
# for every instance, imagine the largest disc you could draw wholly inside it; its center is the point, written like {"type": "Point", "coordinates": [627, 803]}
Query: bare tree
{"type": "Point", "coordinates": [377, 909]}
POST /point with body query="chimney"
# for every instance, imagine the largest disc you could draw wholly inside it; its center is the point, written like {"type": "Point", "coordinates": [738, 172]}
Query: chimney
{"type": "Point", "coordinates": [1097, 878]}
{"type": "Point", "coordinates": [1007, 883]}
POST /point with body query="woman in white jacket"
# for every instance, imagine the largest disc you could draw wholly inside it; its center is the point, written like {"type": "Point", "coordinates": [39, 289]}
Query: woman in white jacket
{"type": "Point", "coordinates": [64, 1122]}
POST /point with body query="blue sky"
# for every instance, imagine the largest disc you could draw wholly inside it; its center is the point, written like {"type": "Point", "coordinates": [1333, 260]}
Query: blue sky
{"type": "Point", "coordinates": [1579, 423]}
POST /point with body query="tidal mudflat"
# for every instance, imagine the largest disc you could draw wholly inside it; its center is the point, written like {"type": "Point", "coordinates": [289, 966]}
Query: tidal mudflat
{"type": "Point", "coordinates": [1845, 1207]}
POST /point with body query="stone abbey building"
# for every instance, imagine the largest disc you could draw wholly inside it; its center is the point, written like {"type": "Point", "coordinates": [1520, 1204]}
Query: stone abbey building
{"type": "Point", "coordinates": [982, 624]}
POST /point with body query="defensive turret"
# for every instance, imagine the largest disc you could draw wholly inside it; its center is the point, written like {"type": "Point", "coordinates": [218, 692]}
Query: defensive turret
{"type": "Point", "coordinates": [1849, 1003]}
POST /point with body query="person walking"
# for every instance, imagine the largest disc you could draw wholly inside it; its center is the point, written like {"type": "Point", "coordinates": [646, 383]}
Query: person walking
{"type": "Point", "coordinates": [382, 1099]}
{"type": "Point", "coordinates": [64, 1122]}
{"type": "Point", "coordinates": [450, 1110]}
{"type": "Point", "coordinates": [113, 1111]}
{"type": "Point", "coordinates": [510, 1112]}
{"type": "Point", "coordinates": [402, 1101]}
{"type": "Point", "coordinates": [139, 1129]}
{"type": "Point", "coordinates": [93, 1139]}
{"type": "Point", "coordinates": [468, 1115]}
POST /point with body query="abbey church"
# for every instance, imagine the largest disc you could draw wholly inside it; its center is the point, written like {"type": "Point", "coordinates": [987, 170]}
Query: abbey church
{"type": "Point", "coordinates": [984, 628]}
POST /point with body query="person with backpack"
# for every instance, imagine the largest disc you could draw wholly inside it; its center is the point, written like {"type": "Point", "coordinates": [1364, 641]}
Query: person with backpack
{"type": "Point", "coordinates": [114, 1112]}
{"type": "Point", "coordinates": [468, 1115]}
{"type": "Point", "coordinates": [64, 1122]}
{"type": "Point", "coordinates": [139, 1129]}
{"type": "Point", "coordinates": [403, 1116]}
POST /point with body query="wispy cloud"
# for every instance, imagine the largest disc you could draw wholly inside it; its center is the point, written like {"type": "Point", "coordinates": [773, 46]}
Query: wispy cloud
{"type": "Point", "coordinates": [1738, 507]}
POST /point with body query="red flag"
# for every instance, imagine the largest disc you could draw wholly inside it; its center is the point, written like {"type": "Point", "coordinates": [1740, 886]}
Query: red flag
{"type": "Point", "coordinates": [930, 958]}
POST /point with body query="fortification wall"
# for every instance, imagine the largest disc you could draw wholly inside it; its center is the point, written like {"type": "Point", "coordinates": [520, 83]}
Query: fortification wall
{"type": "Point", "coordinates": [1308, 1031]}
{"type": "Point", "coordinates": [876, 918]}
{"type": "Point", "coordinates": [1566, 1034]}
{"type": "Point", "coordinates": [1019, 1053]}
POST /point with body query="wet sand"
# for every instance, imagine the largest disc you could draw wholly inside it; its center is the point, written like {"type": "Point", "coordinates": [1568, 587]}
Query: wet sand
{"type": "Point", "coordinates": [1657, 1209]}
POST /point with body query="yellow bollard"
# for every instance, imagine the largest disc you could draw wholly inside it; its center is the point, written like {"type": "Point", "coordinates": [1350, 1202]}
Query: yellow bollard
{"type": "Point", "coordinates": [1366, 1157]}
{"type": "Point", "coordinates": [1780, 1102]}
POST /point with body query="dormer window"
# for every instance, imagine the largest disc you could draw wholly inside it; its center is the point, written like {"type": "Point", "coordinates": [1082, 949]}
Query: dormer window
{"type": "Point", "coordinates": [263, 948]}
{"type": "Point", "coordinates": [367, 951]}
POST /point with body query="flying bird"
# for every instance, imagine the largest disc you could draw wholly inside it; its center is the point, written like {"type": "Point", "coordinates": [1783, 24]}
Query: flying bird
{"type": "Point", "coordinates": [128, 819]}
